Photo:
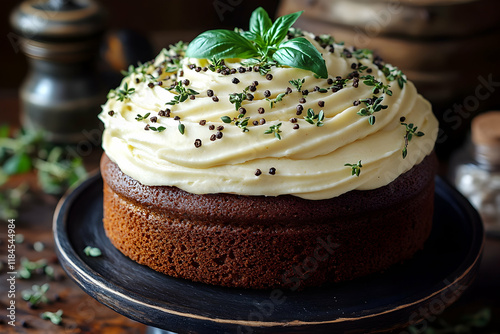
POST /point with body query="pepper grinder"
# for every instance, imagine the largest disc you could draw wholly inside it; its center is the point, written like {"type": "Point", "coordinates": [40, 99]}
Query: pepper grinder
{"type": "Point", "coordinates": [62, 93]}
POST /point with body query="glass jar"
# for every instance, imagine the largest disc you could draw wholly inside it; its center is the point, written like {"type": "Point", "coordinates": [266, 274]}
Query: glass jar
{"type": "Point", "coordinates": [476, 173]}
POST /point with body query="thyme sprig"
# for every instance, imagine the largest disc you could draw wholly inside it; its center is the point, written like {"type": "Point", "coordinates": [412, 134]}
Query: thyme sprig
{"type": "Point", "coordinates": [183, 93]}
{"type": "Point", "coordinates": [297, 83]}
{"type": "Point", "coordinates": [275, 129]}
{"type": "Point", "coordinates": [324, 40]}
{"type": "Point", "coordinates": [217, 64]}
{"type": "Point", "coordinates": [264, 66]}
{"type": "Point", "coordinates": [394, 74]}
{"type": "Point", "coordinates": [121, 94]}
{"type": "Point", "coordinates": [278, 98]}
{"type": "Point", "coordinates": [140, 69]}
{"type": "Point", "coordinates": [29, 268]}
{"type": "Point", "coordinates": [139, 117]}
{"type": "Point", "coordinates": [373, 105]}
{"type": "Point", "coordinates": [362, 54]}
{"type": "Point", "coordinates": [55, 318]}
{"type": "Point", "coordinates": [355, 168]}
{"type": "Point", "coordinates": [157, 129]}
{"type": "Point", "coordinates": [241, 121]}
{"type": "Point", "coordinates": [313, 118]}
{"type": "Point", "coordinates": [36, 295]}
{"type": "Point", "coordinates": [410, 131]}
{"type": "Point", "coordinates": [338, 83]}
{"type": "Point", "coordinates": [377, 85]}
{"type": "Point", "coordinates": [238, 98]}
{"type": "Point", "coordinates": [56, 167]}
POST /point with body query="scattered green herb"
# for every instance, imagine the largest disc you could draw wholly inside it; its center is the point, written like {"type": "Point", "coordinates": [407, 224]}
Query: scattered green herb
{"type": "Point", "coordinates": [55, 318]}
{"type": "Point", "coordinates": [411, 130]}
{"type": "Point", "coordinates": [36, 295]}
{"type": "Point", "coordinates": [140, 69]}
{"type": "Point", "coordinates": [10, 201]}
{"type": "Point", "coordinates": [181, 128]}
{"type": "Point", "coordinates": [355, 168]}
{"type": "Point", "coordinates": [377, 85]}
{"type": "Point", "coordinates": [29, 268]}
{"type": "Point", "coordinates": [92, 251]}
{"type": "Point", "coordinates": [274, 129]}
{"type": "Point", "coordinates": [362, 54]}
{"type": "Point", "coordinates": [313, 118]}
{"type": "Point", "coordinates": [265, 41]}
{"type": "Point", "coordinates": [373, 105]}
{"type": "Point", "coordinates": [183, 93]}
{"type": "Point", "coordinates": [56, 167]}
{"type": "Point", "coordinates": [297, 83]}
{"type": "Point", "coordinates": [238, 98]}
{"type": "Point", "coordinates": [57, 173]}
{"type": "Point", "coordinates": [241, 121]}
{"type": "Point", "coordinates": [158, 129]}
{"type": "Point", "coordinates": [217, 64]}
{"type": "Point", "coordinates": [141, 118]}
{"type": "Point", "coordinates": [278, 98]}
{"type": "Point", "coordinates": [324, 40]}
{"type": "Point", "coordinates": [394, 74]}
{"type": "Point", "coordinates": [121, 94]}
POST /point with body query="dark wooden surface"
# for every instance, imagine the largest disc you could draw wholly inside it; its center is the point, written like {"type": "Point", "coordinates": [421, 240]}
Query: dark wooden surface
{"type": "Point", "coordinates": [82, 314]}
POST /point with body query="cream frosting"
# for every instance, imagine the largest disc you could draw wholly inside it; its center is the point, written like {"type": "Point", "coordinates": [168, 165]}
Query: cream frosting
{"type": "Point", "coordinates": [309, 162]}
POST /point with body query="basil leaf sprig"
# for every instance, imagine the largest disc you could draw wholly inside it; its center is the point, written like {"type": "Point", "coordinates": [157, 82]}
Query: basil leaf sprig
{"type": "Point", "coordinates": [265, 41]}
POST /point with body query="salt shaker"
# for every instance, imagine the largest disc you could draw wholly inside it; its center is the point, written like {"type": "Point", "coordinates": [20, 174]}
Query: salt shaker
{"type": "Point", "coordinates": [477, 175]}
{"type": "Point", "coordinates": [62, 94]}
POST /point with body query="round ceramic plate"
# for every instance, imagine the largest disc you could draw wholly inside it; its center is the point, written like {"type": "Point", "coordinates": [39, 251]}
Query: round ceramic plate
{"type": "Point", "coordinates": [419, 288]}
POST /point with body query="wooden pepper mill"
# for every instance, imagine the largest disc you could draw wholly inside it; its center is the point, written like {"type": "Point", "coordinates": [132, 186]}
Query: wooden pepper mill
{"type": "Point", "coordinates": [62, 94]}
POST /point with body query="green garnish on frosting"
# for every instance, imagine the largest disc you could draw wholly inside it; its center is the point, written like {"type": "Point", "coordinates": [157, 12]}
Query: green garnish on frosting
{"type": "Point", "coordinates": [297, 83]}
{"type": "Point", "coordinates": [241, 121]}
{"type": "Point", "coordinates": [139, 117]}
{"type": "Point", "coordinates": [274, 129]}
{"type": "Point", "coordinates": [264, 42]}
{"type": "Point", "coordinates": [411, 130]}
{"type": "Point", "coordinates": [313, 118]}
{"type": "Point", "coordinates": [121, 94]}
{"type": "Point", "coordinates": [394, 74]}
{"type": "Point", "coordinates": [278, 98]}
{"type": "Point", "coordinates": [183, 95]}
{"type": "Point", "coordinates": [373, 105]}
{"type": "Point", "coordinates": [377, 85]}
{"type": "Point", "coordinates": [355, 168]}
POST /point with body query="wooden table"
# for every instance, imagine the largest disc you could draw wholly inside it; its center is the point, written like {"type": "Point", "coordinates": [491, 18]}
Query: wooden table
{"type": "Point", "coordinates": [82, 314]}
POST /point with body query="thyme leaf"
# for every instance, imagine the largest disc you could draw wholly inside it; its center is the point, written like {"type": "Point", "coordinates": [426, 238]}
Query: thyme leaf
{"type": "Point", "coordinates": [355, 168]}
{"type": "Point", "coordinates": [275, 129]}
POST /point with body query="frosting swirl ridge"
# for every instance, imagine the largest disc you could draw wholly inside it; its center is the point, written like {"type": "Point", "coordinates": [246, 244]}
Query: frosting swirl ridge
{"type": "Point", "coordinates": [245, 133]}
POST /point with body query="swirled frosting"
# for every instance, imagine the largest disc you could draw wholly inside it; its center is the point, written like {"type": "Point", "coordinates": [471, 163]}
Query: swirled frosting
{"type": "Point", "coordinates": [282, 150]}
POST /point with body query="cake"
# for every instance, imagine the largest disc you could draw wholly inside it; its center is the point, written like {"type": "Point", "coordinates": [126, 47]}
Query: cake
{"type": "Point", "coordinates": [307, 163]}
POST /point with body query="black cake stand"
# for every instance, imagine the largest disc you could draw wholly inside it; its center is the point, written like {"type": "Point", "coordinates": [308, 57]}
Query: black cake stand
{"type": "Point", "coordinates": [419, 289]}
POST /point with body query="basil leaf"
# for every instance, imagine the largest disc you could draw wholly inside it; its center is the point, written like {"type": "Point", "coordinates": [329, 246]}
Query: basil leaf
{"type": "Point", "coordinates": [255, 38]}
{"type": "Point", "coordinates": [222, 44]}
{"type": "Point", "coordinates": [280, 27]}
{"type": "Point", "coordinates": [300, 53]}
{"type": "Point", "coordinates": [260, 22]}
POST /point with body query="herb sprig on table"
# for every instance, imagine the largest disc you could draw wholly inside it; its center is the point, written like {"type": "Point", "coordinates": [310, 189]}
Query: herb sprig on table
{"type": "Point", "coordinates": [265, 42]}
{"type": "Point", "coordinates": [24, 151]}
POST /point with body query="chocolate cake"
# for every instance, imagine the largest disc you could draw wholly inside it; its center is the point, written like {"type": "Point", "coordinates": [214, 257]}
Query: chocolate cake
{"type": "Point", "coordinates": [262, 242]}
{"type": "Point", "coordinates": [294, 164]}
